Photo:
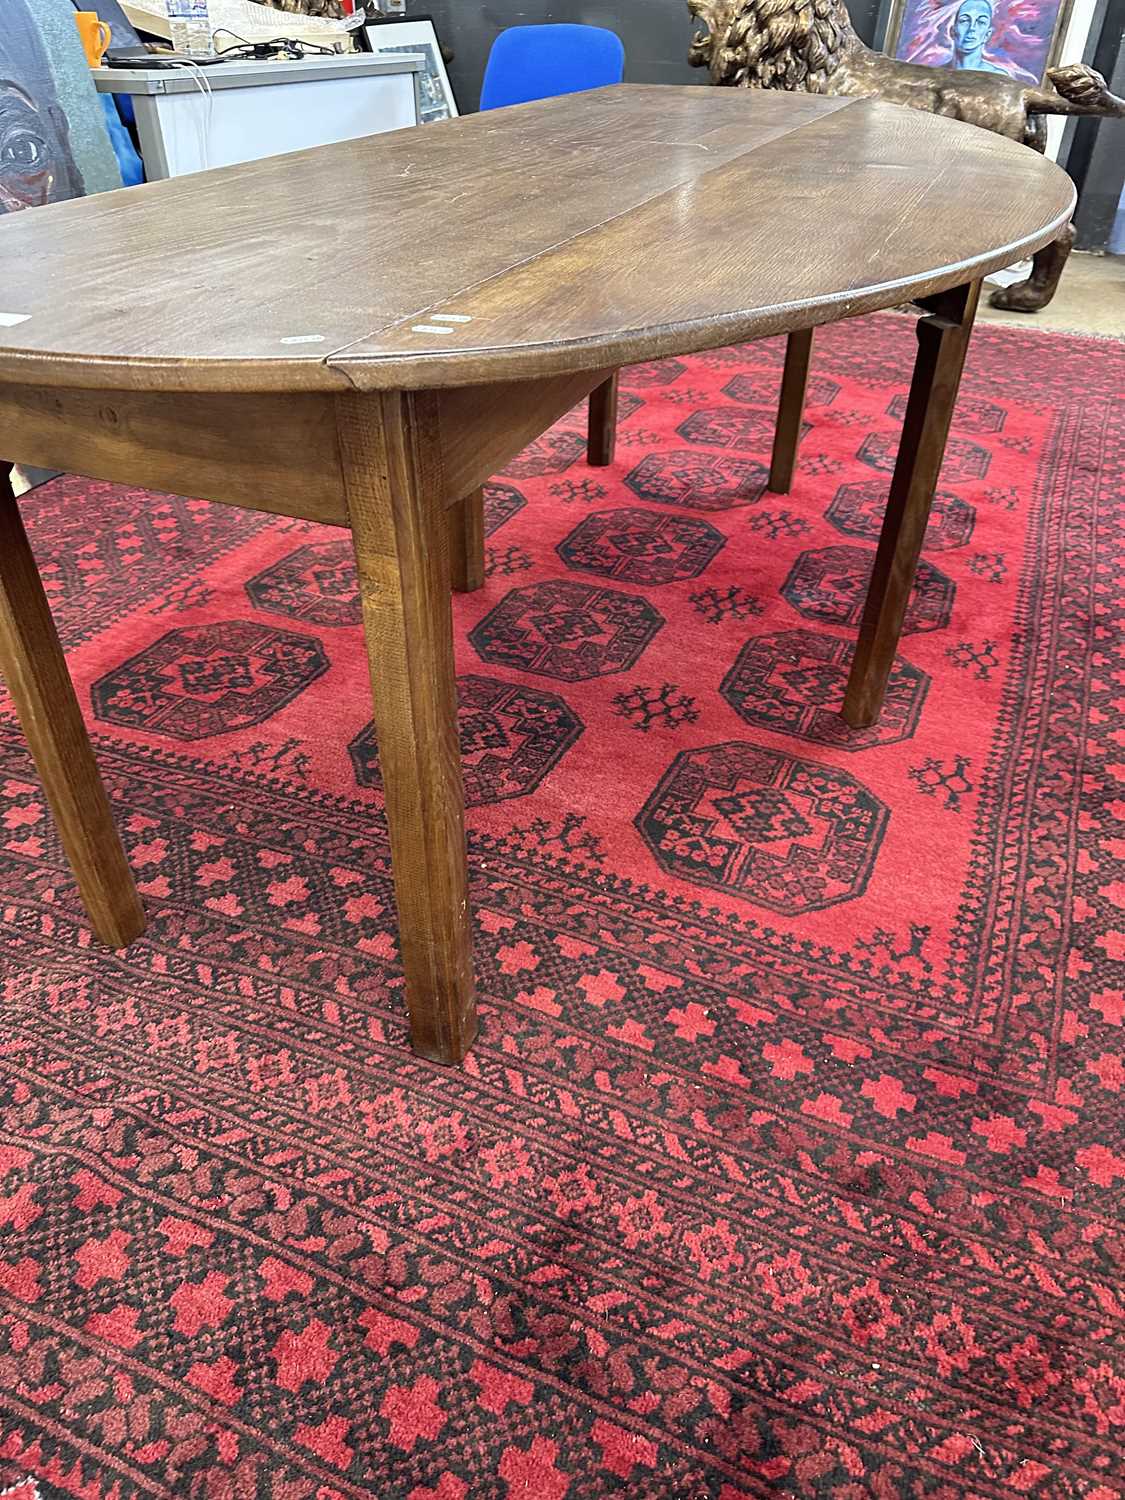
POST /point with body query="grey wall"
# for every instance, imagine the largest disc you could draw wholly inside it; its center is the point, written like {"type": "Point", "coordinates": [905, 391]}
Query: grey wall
{"type": "Point", "coordinates": [656, 33]}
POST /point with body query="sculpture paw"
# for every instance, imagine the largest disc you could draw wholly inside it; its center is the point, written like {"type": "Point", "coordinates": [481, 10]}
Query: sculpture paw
{"type": "Point", "coordinates": [1023, 296]}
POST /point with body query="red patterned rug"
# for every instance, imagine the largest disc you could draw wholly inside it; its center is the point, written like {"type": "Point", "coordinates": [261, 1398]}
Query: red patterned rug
{"type": "Point", "coordinates": [791, 1153]}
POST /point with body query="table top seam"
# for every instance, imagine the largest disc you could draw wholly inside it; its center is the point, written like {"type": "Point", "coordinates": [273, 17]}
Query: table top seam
{"type": "Point", "coordinates": [590, 229]}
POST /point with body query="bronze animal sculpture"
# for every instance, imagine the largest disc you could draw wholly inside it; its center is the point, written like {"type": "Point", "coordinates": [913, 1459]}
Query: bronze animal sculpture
{"type": "Point", "coordinates": [810, 46]}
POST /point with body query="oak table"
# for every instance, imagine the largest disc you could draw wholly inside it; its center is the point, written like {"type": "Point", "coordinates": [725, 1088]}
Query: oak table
{"type": "Point", "coordinates": [362, 334]}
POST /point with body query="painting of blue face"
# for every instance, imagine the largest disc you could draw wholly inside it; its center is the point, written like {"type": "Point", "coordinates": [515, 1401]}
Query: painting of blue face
{"type": "Point", "coordinates": [1018, 38]}
{"type": "Point", "coordinates": [972, 29]}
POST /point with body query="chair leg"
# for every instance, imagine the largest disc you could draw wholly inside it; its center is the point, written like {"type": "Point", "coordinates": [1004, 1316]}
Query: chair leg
{"type": "Point", "coordinates": [602, 433]}
{"type": "Point", "coordinates": [466, 542]}
{"type": "Point", "coordinates": [943, 339]}
{"type": "Point", "coordinates": [34, 668]}
{"type": "Point", "coordinates": [790, 411]}
{"type": "Point", "coordinates": [392, 476]}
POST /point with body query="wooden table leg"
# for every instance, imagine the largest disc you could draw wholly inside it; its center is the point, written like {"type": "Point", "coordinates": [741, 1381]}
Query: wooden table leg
{"type": "Point", "coordinates": [790, 411]}
{"type": "Point", "coordinates": [601, 438]}
{"type": "Point", "coordinates": [466, 542]}
{"type": "Point", "coordinates": [943, 338]}
{"type": "Point", "coordinates": [34, 668]}
{"type": "Point", "coordinates": [392, 471]}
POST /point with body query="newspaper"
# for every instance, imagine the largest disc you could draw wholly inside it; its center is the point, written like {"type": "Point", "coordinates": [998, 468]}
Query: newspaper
{"type": "Point", "coordinates": [254, 23]}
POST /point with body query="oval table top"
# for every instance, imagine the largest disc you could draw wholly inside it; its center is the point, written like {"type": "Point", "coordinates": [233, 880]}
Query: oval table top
{"type": "Point", "coordinates": [576, 233]}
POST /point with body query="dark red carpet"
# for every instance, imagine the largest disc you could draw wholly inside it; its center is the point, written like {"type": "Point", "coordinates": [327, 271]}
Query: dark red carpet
{"type": "Point", "coordinates": [790, 1159]}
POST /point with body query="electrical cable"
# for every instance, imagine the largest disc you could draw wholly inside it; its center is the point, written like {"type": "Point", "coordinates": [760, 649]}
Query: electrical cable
{"type": "Point", "coordinates": [289, 46]}
{"type": "Point", "coordinates": [206, 121]}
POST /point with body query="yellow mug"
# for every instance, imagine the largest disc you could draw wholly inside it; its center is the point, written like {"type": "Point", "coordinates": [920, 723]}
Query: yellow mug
{"type": "Point", "coordinates": [95, 34]}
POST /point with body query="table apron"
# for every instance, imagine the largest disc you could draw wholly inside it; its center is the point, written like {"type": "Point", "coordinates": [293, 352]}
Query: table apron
{"type": "Point", "coordinates": [273, 452]}
{"type": "Point", "coordinates": [483, 427]}
{"type": "Point", "coordinates": [277, 453]}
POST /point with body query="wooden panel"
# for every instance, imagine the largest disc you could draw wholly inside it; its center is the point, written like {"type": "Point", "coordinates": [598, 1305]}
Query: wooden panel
{"type": "Point", "coordinates": [485, 426]}
{"type": "Point", "coordinates": [580, 232]}
{"type": "Point", "coordinates": [275, 453]}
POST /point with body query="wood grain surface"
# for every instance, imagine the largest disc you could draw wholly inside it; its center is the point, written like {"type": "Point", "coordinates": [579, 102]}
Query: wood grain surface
{"type": "Point", "coordinates": [790, 411]}
{"type": "Point", "coordinates": [466, 543]}
{"type": "Point", "coordinates": [481, 428]}
{"type": "Point", "coordinates": [396, 498]}
{"type": "Point", "coordinates": [601, 424]}
{"type": "Point", "coordinates": [266, 452]}
{"type": "Point", "coordinates": [943, 341]}
{"type": "Point", "coordinates": [569, 234]}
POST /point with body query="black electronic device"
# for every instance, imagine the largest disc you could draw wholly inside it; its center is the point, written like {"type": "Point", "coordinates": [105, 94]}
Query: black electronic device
{"type": "Point", "coordinates": [128, 57]}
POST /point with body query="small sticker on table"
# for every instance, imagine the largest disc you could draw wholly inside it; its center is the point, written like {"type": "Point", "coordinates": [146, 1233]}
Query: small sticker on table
{"type": "Point", "coordinates": [12, 320]}
{"type": "Point", "coordinates": [451, 317]}
{"type": "Point", "coordinates": [304, 338]}
{"type": "Point", "coordinates": [430, 328]}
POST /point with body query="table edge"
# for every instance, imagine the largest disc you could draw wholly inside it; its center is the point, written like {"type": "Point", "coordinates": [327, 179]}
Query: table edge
{"type": "Point", "coordinates": [346, 369]}
{"type": "Point", "coordinates": [441, 370]}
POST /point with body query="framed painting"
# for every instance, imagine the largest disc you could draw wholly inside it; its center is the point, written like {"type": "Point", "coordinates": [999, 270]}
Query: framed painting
{"type": "Point", "coordinates": [1021, 38]}
{"type": "Point", "coordinates": [418, 34]}
{"type": "Point", "coordinates": [53, 139]}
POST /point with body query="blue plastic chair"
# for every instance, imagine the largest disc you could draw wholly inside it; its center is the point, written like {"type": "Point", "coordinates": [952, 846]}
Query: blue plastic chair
{"type": "Point", "coordinates": [538, 62]}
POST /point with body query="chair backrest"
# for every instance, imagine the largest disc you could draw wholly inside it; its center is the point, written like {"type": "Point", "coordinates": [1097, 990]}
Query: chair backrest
{"type": "Point", "coordinates": [537, 62]}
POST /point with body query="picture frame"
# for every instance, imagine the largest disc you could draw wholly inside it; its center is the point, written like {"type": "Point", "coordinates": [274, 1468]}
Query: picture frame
{"type": "Point", "coordinates": [1019, 38]}
{"type": "Point", "coordinates": [53, 138]}
{"type": "Point", "coordinates": [418, 34]}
